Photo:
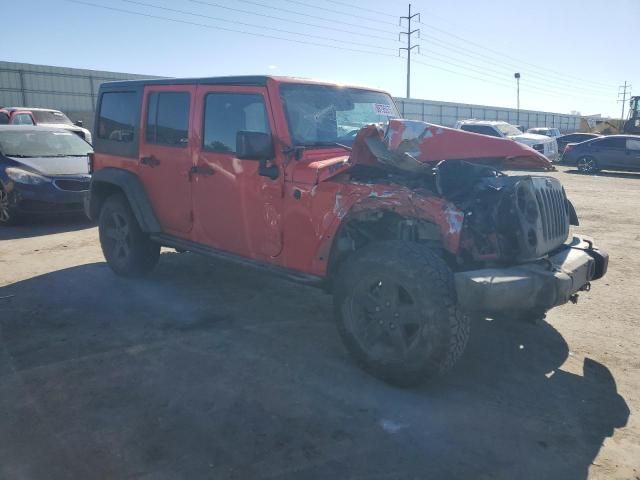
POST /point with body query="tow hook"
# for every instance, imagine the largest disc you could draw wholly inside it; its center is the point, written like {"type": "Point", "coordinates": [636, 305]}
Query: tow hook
{"type": "Point", "coordinates": [585, 288]}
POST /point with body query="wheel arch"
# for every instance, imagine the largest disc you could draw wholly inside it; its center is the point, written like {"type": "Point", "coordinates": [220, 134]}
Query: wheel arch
{"type": "Point", "coordinates": [109, 181]}
{"type": "Point", "coordinates": [363, 227]}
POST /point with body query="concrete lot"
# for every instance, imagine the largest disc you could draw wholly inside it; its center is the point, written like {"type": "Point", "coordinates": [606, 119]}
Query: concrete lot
{"type": "Point", "coordinates": [203, 370]}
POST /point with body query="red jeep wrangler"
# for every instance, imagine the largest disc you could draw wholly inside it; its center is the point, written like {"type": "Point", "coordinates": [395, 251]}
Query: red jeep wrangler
{"type": "Point", "coordinates": [411, 226]}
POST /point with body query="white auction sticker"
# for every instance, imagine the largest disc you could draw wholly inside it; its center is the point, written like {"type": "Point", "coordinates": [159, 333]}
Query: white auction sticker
{"type": "Point", "coordinates": [383, 109]}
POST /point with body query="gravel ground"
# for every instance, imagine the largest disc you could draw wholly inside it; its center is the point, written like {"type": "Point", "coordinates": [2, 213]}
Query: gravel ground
{"type": "Point", "coordinates": [204, 370]}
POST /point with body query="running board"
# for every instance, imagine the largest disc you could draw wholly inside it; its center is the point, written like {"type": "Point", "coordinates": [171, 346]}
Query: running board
{"type": "Point", "coordinates": [294, 275]}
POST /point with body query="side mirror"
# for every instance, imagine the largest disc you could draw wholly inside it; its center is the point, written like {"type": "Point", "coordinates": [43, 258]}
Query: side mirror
{"type": "Point", "coordinates": [257, 146]}
{"type": "Point", "coordinates": [78, 123]}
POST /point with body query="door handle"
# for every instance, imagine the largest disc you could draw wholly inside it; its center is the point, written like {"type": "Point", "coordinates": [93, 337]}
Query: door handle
{"type": "Point", "coordinates": [201, 170]}
{"type": "Point", "coordinates": [150, 161]}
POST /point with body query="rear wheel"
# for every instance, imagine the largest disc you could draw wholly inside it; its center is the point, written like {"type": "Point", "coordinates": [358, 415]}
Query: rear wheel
{"type": "Point", "coordinates": [587, 164]}
{"type": "Point", "coordinates": [8, 215]}
{"type": "Point", "coordinates": [127, 249]}
{"type": "Point", "coordinates": [396, 312]}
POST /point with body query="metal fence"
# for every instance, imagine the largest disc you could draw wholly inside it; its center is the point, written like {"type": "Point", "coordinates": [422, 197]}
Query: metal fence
{"type": "Point", "coordinates": [448, 113]}
{"type": "Point", "coordinates": [71, 90]}
{"type": "Point", "coordinates": [74, 91]}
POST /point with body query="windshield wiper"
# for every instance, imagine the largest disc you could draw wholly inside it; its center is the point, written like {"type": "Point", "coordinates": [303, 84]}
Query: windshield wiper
{"type": "Point", "coordinates": [328, 144]}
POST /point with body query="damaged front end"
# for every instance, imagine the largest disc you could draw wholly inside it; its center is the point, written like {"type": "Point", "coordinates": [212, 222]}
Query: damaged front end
{"type": "Point", "coordinates": [512, 249]}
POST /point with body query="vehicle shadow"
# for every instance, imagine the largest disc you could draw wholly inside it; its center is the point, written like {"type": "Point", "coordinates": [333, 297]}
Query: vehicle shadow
{"type": "Point", "coordinates": [204, 370]}
{"type": "Point", "coordinates": [36, 226]}
{"type": "Point", "coordinates": [631, 175]}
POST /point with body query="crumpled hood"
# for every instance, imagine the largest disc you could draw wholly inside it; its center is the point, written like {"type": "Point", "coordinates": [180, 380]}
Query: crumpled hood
{"type": "Point", "coordinates": [50, 166]}
{"type": "Point", "coordinates": [416, 146]}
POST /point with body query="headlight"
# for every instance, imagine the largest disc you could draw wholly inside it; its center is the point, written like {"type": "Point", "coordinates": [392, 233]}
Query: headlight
{"type": "Point", "coordinates": [22, 176]}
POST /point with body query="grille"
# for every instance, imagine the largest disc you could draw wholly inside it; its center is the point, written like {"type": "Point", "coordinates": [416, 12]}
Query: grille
{"type": "Point", "coordinates": [72, 185]}
{"type": "Point", "coordinates": [554, 211]}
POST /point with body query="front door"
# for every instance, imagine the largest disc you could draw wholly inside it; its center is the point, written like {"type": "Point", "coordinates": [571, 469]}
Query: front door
{"type": "Point", "coordinates": [235, 208]}
{"type": "Point", "coordinates": [165, 154]}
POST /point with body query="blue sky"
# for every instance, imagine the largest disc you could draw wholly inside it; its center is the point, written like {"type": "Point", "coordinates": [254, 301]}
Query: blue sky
{"type": "Point", "coordinates": [572, 54]}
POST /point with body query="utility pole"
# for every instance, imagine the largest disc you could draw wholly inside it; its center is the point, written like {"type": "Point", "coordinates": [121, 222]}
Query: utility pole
{"type": "Point", "coordinates": [409, 47]}
{"type": "Point", "coordinates": [517, 77]}
{"type": "Point", "coordinates": [624, 97]}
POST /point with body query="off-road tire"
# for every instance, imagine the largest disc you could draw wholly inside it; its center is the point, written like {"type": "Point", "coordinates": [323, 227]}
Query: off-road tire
{"type": "Point", "coordinates": [587, 164]}
{"type": "Point", "coordinates": [128, 250]}
{"type": "Point", "coordinates": [431, 326]}
{"type": "Point", "coordinates": [8, 215]}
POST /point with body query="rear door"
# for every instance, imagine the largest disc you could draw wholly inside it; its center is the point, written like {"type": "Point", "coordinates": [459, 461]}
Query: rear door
{"type": "Point", "coordinates": [165, 154]}
{"type": "Point", "coordinates": [632, 153]}
{"type": "Point", "coordinates": [610, 152]}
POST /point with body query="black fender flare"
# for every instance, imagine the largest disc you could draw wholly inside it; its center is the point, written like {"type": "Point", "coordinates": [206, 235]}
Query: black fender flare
{"type": "Point", "coordinates": [107, 181]}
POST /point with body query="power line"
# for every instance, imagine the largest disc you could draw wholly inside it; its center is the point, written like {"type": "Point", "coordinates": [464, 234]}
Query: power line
{"type": "Point", "coordinates": [236, 22]}
{"type": "Point", "coordinates": [286, 10]}
{"type": "Point", "coordinates": [309, 5]}
{"type": "Point", "coordinates": [502, 54]}
{"type": "Point", "coordinates": [274, 17]}
{"type": "Point", "coordinates": [468, 53]}
{"type": "Point", "coordinates": [359, 7]}
{"type": "Point", "coordinates": [482, 70]}
{"type": "Point", "coordinates": [212, 27]}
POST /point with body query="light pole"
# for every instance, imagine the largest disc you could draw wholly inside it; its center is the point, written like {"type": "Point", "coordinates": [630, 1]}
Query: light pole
{"type": "Point", "coordinates": [517, 77]}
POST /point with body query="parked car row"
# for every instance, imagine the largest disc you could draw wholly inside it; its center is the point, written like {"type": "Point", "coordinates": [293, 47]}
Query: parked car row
{"type": "Point", "coordinates": [542, 143]}
{"type": "Point", "coordinates": [44, 117]}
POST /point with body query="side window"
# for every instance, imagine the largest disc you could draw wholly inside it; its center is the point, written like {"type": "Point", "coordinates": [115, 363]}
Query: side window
{"type": "Point", "coordinates": [4, 118]}
{"type": "Point", "coordinates": [117, 119]}
{"type": "Point", "coordinates": [611, 143]}
{"type": "Point", "coordinates": [481, 129]}
{"type": "Point", "coordinates": [168, 118]}
{"type": "Point", "coordinates": [633, 144]}
{"type": "Point", "coordinates": [22, 119]}
{"type": "Point", "coordinates": [225, 114]}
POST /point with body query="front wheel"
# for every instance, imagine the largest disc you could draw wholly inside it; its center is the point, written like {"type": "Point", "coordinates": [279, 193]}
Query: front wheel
{"type": "Point", "coordinates": [128, 250]}
{"type": "Point", "coordinates": [396, 312]}
{"type": "Point", "coordinates": [587, 164]}
{"type": "Point", "coordinates": [8, 215]}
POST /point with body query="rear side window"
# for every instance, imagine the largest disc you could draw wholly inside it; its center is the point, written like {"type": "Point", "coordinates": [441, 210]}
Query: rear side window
{"type": "Point", "coordinates": [633, 144]}
{"type": "Point", "coordinates": [22, 119]}
{"type": "Point", "coordinates": [167, 118]}
{"type": "Point", "coordinates": [611, 143]}
{"type": "Point", "coordinates": [225, 114]}
{"type": "Point", "coordinates": [117, 119]}
{"type": "Point", "coordinates": [481, 129]}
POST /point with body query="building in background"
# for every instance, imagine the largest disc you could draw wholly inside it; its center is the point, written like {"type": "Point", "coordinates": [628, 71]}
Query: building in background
{"type": "Point", "coordinates": [74, 91]}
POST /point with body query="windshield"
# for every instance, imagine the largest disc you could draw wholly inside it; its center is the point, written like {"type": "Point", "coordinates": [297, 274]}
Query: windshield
{"type": "Point", "coordinates": [508, 130]}
{"type": "Point", "coordinates": [42, 144]}
{"type": "Point", "coordinates": [323, 115]}
{"type": "Point", "coordinates": [50, 116]}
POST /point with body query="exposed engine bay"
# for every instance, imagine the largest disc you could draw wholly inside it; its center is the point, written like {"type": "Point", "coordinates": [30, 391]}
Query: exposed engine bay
{"type": "Point", "coordinates": [507, 219]}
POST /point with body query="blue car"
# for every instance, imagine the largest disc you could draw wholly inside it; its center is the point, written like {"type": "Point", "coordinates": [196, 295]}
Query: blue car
{"type": "Point", "coordinates": [42, 171]}
{"type": "Point", "coordinates": [613, 152]}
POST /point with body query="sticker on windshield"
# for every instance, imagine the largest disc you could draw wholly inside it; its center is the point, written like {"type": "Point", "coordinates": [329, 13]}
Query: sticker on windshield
{"type": "Point", "coordinates": [383, 109]}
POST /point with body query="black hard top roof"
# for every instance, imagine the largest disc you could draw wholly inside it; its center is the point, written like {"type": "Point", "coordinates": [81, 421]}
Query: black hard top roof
{"type": "Point", "coordinates": [259, 80]}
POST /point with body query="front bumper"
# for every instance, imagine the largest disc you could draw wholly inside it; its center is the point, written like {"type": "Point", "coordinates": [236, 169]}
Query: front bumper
{"type": "Point", "coordinates": [539, 285]}
{"type": "Point", "coordinates": [44, 199]}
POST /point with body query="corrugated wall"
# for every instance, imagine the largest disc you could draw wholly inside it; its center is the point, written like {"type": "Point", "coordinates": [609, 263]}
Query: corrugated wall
{"type": "Point", "coordinates": [71, 90]}
{"type": "Point", "coordinates": [448, 113]}
{"type": "Point", "coordinates": [74, 91]}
